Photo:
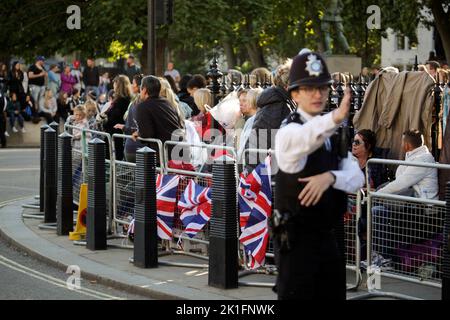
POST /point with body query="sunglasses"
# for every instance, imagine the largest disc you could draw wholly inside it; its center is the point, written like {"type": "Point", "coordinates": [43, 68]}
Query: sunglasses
{"type": "Point", "coordinates": [357, 142]}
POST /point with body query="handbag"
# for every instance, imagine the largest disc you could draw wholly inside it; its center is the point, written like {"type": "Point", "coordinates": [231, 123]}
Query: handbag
{"type": "Point", "coordinates": [28, 111]}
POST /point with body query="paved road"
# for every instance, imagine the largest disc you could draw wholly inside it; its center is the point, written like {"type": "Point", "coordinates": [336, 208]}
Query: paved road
{"type": "Point", "coordinates": [23, 277]}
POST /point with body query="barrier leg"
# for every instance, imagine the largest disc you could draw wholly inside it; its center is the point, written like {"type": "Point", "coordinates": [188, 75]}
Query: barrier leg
{"type": "Point", "coordinates": [145, 227]}
{"type": "Point", "coordinates": [96, 215]}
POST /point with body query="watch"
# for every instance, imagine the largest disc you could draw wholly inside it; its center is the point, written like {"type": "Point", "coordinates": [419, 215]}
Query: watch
{"type": "Point", "coordinates": [334, 176]}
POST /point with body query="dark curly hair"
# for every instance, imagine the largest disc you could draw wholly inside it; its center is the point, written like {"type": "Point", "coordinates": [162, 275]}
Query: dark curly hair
{"type": "Point", "coordinates": [369, 138]}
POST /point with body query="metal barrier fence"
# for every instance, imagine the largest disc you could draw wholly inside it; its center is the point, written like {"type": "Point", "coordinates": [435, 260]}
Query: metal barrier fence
{"type": "Point", "coordinates": [123, 184]}
{"type": "Point", "coordinates": [201, 176]}
{"type": "Point", "coordinates": [404, 235]}
{"type": "Point", "coordinates": [77, 174]}
{"type": "Point", "coordinates": [352, 241]}
{"type": "Point", "coordinates": [80, 174]}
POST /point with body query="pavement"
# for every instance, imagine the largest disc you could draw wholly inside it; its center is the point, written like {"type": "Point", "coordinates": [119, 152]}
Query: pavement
{"type": "Point", "coordinates": [112, 267]}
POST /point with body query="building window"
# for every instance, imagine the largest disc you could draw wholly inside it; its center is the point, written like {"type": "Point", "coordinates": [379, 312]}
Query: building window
{"type": "Point", "coordinates": [400, 39]}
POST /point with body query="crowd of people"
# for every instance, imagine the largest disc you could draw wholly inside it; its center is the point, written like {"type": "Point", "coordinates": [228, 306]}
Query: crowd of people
{"type": "Point", "coordinates": [35, 93]}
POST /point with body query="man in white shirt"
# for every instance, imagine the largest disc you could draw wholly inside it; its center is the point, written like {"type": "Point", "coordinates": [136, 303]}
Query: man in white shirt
{"type": "Point", "coordinates": [391, 221]}
{"type": "Point", "coordinates": [172, 72]}
{"type": "Point", "coordinates": [416, 181]}
{"type": "Point", "coordinates": [311, 186]}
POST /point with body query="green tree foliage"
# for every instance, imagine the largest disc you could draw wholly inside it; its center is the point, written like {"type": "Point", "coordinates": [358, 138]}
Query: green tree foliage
{"type": "Point", "coordinates": [247, 32]}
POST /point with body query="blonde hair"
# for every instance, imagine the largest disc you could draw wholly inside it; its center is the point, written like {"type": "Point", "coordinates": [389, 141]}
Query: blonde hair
{"type": "Point", "coordinates": [123, 86]}
{"type": "Point", "coordinates": [252, 97]}
{"type": "Point", "coordinates": [80, 108]}
{"type": "Point", "coordinates": [203, 97]}
{"type": "Point", "coordinates": [91, 108]}
{"type": "Point", "coordinates": [443, 75]}
{"type": "Point", "coordinates": [167, 92]}
{"type": "Point", "coordinates": [47, 97]}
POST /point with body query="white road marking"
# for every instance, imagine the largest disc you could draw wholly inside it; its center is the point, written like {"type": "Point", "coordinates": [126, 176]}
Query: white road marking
{"type": "Point", "coordinates": [8, 150]}
{"type": "Point", "coordinates": [17, 188]}
{"type": "Point", "coordinates": [49, 279]}
{"type": "Point", "coordinates": [18, 169]}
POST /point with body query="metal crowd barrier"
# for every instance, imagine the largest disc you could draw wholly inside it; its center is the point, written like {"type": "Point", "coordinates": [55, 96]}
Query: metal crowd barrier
{"type": "Point", "coordinates": [80, 176]}
{"type": "Point", "coordinates": [404, 236]}
{"type": "Point", "coordinates": [123, 182]}
{"type": "Point", "coordinates": [203, 177]}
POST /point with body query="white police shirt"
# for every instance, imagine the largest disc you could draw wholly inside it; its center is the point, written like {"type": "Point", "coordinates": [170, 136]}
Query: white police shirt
{"type": "Point", "coordinates": [294, 142]}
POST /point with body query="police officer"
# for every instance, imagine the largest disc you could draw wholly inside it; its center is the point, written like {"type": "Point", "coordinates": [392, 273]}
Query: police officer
{"type": "Point", "coordinates": [311, 185]}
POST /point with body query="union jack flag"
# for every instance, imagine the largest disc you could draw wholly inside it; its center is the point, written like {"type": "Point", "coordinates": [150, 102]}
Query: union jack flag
{"type": "Point", "coordinates": [195, 205]}
{"type": "Point", "coordinates": [166, 194]}
{"type": "Point", "coordinates": [255, 203]}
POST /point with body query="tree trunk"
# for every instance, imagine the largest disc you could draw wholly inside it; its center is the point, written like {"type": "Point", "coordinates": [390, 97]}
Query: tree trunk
{"type": "Point", "coordinates": [229, 53]}
{"type": "Point", "coordinates": [319, 38]}
{"type": "Point", "coordinates": [256, 55]}
{"type": "Point", "coordinates": [160, 56]}
{"type": "Point", "coordinates": [442, 21]}
{"type": "Point", "coordinates": [254, 50]}
{"type": "Point", "coordinates": [144, 65]}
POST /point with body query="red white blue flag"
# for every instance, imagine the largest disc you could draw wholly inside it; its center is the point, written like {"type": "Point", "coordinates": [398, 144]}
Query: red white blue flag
{"type": "Point", "coordinates": [166, 194]}
{"type": "Point", "coordinates": [255, 205]}
{"type": "Point", "coordinates": [195, 206]}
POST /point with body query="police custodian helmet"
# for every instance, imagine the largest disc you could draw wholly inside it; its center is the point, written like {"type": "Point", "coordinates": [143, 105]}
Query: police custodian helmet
{"type": "Point", "coordinates": [309, 69]}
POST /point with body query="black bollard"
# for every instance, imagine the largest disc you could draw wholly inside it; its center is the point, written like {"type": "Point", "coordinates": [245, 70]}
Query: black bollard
{"type": "Point", "coordinates": [223, 232]}
{"type": "Point", "coordinates": [446, 251]}
{"type": "Point", "coordinates": [96, 213]}
{"type": "Point", "coordinates": [145, 227]}
{"type": "Point", "coordinates": [50, 158]}
{"type": "Point", "coordinates": [55, 126]}
{"type": "Point", "coordinates": [42, 172]}
{"type": "Point", "coordinates": [64, 198]}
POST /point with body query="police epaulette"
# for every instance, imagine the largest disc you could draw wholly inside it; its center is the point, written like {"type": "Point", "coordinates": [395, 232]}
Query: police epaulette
{"type": "Point", "coordinates": [294, 117]}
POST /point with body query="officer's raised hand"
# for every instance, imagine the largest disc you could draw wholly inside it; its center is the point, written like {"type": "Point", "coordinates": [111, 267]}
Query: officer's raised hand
{"type": "Point", "coordinates": [341, 113]}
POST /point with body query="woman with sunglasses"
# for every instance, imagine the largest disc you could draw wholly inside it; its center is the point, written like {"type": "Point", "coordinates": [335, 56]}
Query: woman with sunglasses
{"type": "Point", "coordinates": [363, 147]}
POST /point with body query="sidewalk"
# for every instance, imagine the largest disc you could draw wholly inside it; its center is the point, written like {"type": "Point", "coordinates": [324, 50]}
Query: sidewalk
{"type": "Point", "coordinates": [112, 267]}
